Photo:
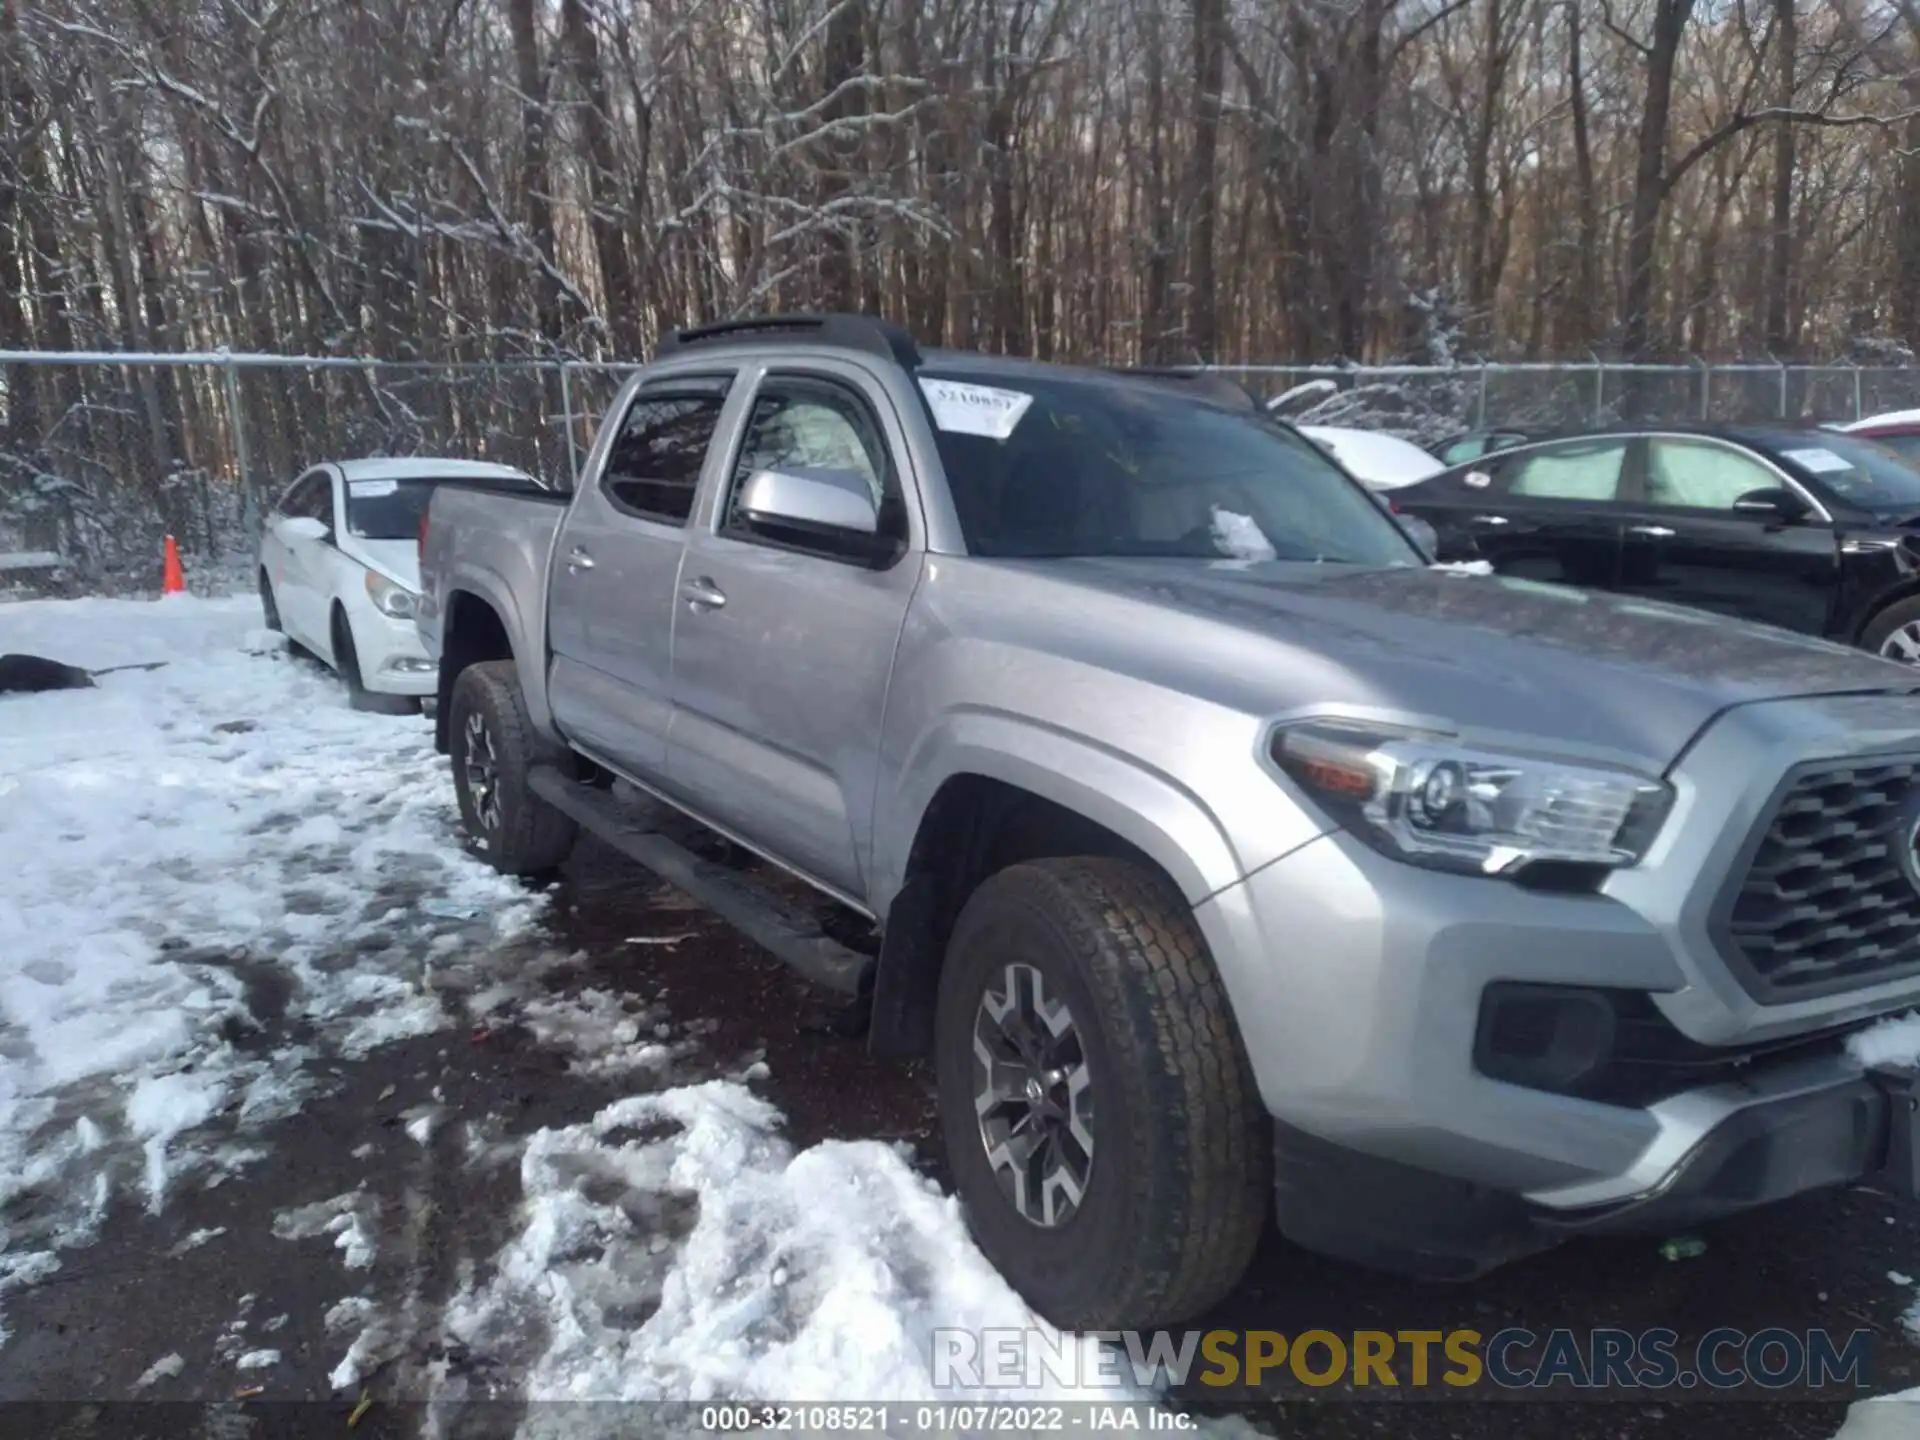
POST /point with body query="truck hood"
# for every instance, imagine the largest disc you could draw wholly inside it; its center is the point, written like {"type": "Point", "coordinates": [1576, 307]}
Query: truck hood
{"type": "Point", "coordinates": [1488, 652]}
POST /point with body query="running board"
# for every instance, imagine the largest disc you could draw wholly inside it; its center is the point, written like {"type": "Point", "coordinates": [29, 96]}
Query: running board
{"type": "Point", "coordinates": [749, 908]}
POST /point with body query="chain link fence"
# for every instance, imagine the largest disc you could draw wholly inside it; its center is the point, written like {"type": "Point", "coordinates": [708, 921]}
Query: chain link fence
{"type": "Point", "coordinates": [102, 455]}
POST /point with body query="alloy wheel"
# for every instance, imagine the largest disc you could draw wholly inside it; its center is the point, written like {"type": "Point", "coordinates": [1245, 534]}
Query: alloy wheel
{"type": "Point", "coordinates": [482, 772]}
{"type": "Point", "coordinates": [1903, 644]}
{"type": "Point", "coordinates": [1033, 1095]}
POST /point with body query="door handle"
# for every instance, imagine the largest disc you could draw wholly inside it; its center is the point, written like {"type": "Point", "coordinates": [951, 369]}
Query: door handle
{"type": "Point", "coordinates": [1491, 520]}
{"type": "Point", "coordinates": [702, 594]}
{"type": "Point", "coordinates": [1652, 532]}
{"type": "Point", "coordinates": [578, 559]}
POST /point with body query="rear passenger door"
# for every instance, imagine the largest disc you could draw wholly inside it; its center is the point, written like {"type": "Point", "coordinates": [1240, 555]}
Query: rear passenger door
{"type": "Point", "coordinates": [781, 650]}
{"type": "Point", "coordinates": [1552, 512]}
{"type": "Point", "coordinates": [610, 609]}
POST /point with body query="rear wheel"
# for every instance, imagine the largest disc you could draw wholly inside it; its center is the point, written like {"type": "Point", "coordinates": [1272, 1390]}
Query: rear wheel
{"type": "Point", "coordinates": [1100, 1116]}
{"type": "Point", "coordinates": [1895, 632]}
{"type": "Point", "coordinates": [493, 746]}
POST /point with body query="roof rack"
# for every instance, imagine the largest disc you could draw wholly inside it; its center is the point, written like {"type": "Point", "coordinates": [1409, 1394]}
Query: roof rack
{"type": "Point", "coordinates": [849, 332]}
{"type": "Point", "coordinates": [1210, 383]}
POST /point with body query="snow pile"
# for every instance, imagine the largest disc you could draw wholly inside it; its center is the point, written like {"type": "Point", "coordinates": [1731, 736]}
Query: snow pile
{"type": "Point", "coordinates": [1894, 1041]}
{"type": "Point", "coordinates": [1882, 1417]}
{"type": "Point", "coordinates": [188, 854]}
{"type": "Point", "coordinates": [1240, 536]}
{"type": "Point", "coordinates": [674, 1247]}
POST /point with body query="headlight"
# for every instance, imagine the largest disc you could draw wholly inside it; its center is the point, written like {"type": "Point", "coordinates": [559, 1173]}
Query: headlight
{"type": "Point", "coordinates": [391, 599]}
{"type": "Point", "coordinates": [1428, 799]}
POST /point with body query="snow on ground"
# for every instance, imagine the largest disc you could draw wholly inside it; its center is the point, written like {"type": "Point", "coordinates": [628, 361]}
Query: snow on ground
{"type": "Point", "coordinates": [172, 842]}
{"type": "Point", "coordinates": [199, 862]}
{"type": "Point", "coordinates": [675, 1247]}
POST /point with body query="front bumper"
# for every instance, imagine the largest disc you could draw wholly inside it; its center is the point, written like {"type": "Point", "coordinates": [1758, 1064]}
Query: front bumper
{"type": "Point", "coordinates": [392, 659]}
{"type": "Point", "coordinates": [1821, 1132]}
{"type": "Point", "coordinates": [1358, 982]}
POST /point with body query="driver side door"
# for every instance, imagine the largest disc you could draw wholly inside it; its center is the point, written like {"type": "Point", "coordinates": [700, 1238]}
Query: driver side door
{"type": "Point", "coordinates": [1685, 543]}
{"type": "Point", "coordinates": [783, 646]}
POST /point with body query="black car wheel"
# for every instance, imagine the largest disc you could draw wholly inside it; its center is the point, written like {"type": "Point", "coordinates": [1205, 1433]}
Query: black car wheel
{"type": "Point", "coordinates": [269, 608]}
{"type": "Point", "coordinates": [493, 746]}
{"type": "Point", "coordinates": [1100, 1117]}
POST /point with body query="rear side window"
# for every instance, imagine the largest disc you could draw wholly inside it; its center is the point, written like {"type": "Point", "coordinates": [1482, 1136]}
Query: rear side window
{"type": "Point", "coordinates": [1573, 472]}
{"type": "Point", "coordinates": [653, 469]}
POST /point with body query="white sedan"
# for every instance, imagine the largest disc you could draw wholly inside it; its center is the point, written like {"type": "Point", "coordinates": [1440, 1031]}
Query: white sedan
{"type": "Point", "coordinates": [1378, 461]}
{"type": "Point", "coordinates": [340, 570]}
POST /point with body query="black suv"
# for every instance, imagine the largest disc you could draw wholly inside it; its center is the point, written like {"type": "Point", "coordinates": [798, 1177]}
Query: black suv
{"type": "Point", "coordinates": [1811, 530]}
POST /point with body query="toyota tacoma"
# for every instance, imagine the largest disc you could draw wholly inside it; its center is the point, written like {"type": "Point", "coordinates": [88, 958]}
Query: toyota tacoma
{"type": "Point", "coordinates": [1225, 858]}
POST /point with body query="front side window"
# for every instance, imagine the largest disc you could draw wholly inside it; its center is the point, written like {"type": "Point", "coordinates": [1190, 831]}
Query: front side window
{"type": "Point", "coordinates": [1568, 472]}
{"type": "Point", "coordinates": [311, 497]}
{"type": "Point", "coordinates": [808, 424]}
{"type": "Point", "coordinates": [1056, 466]}
{"type": "Point", "coordinates": [653, 468]}
{"type": "Point", "coordinates": [1699, 475]}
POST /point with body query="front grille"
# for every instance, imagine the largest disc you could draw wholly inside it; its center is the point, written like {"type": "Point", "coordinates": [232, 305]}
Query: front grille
{"type": "Point", "coordinates": [1824, 901]}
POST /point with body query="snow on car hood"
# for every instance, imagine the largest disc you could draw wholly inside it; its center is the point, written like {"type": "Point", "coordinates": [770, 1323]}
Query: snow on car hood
{"type": "Point", "coordinates": [1489, 653]}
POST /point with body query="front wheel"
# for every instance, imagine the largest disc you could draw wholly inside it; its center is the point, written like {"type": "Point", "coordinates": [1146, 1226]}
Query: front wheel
{"type": "Point", "coordinates": [493, 746]}
{"type": "Point", "coordinates": [1100, 1116]}
{"type": "Point", "coordinates": [1895, 632]}
{"type": "Point", "coordinates": [346, 660]}
{"type": "Point", "coordinates": [269, 607]}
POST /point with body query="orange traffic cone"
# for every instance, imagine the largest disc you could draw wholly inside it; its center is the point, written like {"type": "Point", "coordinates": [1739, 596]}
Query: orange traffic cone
{"type": "Point", "coordinates": [173, 580]}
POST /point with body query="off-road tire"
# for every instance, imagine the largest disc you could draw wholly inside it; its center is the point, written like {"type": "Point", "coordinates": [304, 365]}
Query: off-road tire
{"type": "Point", "coordinates": [346, 660]}
{"type": "Point", "coordinates": [531, 837]}
{"type": "Point", "coordinates": [1181, 1179]}
{"type": "Point", "coordinates": [269, 607]}
{"type": "Point", "coordinates": [1897, 615]}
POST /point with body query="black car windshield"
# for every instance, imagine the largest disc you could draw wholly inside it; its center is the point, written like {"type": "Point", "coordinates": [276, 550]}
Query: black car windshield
{"type": "Point", "coordinates": [387, 509]}
{"type": "Point", "coordinates": [1857, 470]}
{"type": "Point", "coordinates": [1061, 466]}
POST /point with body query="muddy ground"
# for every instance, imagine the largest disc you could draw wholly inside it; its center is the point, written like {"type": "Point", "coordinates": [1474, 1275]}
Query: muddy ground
{"type": "Point", "coordinates": [93, 1329]}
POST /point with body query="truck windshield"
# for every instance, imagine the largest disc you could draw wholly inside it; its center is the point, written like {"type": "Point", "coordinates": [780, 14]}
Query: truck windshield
{"type": "Point", "coordinates": [387, 509]}
{"type": "Point", "coordinates": [1068, 466]}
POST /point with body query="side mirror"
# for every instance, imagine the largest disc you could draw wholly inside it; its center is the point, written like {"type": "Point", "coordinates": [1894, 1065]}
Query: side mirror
{"type": "Point", "coordinates": [813, 500]}
{"type": "Point", "coordinates": [1775, 502]}
{"type": "Point", "coordinates": [304, 527]}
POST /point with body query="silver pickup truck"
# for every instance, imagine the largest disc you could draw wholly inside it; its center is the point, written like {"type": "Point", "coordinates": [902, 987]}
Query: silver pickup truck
{"type": "Point", "coordinates": [1225, 858]}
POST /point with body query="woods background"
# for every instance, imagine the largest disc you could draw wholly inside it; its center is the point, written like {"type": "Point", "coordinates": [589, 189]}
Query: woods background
{"type": "Point", "coordinates": [1157, 180]}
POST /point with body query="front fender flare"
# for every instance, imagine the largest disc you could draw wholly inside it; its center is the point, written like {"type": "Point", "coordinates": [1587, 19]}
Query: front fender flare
{"type": "Point", "coordinates": [1148, 809]}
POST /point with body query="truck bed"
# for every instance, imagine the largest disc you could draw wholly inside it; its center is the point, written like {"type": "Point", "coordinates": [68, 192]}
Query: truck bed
{"type": "Point", "coordinates": [495, 544]}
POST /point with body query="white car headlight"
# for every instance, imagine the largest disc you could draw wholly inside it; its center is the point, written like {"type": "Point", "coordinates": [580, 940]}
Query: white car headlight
{"type": "Point", "coordinates": [1429, 799]}
{"type": "Point", "coordinates": [391, 599]}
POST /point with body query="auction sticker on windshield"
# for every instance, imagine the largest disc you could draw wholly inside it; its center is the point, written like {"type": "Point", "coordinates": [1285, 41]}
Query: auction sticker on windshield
{"type": "Point", "coordinates": [975, 409]}
{"type": "Point", "coordinates": [371, 489]}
